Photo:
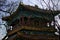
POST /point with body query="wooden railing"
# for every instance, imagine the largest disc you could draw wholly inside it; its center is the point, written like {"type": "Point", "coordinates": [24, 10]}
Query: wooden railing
{"type": "Point", "coordinates": [38, 37]}
{"type": "Point", "coordinates": [16, 29]}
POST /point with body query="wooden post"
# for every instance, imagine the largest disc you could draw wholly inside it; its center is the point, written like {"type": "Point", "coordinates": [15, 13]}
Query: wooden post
{"type": "Point", "coordinates": [28, 21]}
{"type": "Point", "coordinates": [23, 23]}
{"type": "Point", "coordinates": [20, 21]}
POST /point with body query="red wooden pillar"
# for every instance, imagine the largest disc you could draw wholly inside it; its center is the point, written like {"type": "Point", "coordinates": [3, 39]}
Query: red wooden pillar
{"type": "Point", "coordinates": [33, 23]}
{"type": "Point", "coordinates": [39, 23]}
{"type": "Point", "coordinates": [22, 21]}
{"type": "Point", "coordinates": [28, 21]}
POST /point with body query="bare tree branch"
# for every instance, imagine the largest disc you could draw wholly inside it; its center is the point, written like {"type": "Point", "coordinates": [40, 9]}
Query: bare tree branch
{"type": "Point", "coordinates": [31, 2]}
{"type": "Point", "coordinates": [54, 6]}
{"type": "Point", "coordinates": [41, 4]}
{"type": "Point", "coordinates": [46, 3]}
